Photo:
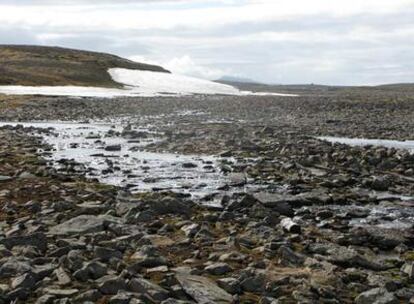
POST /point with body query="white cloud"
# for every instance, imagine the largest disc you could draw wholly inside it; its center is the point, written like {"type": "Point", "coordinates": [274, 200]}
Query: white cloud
{"type": "Point", "coordinates": [186, 66]}
{"type": "Point", "coordinates": [183, 65]}
{"type": "Point", "coordinates": [146, 16]}
{"type": "Point", "coordinates": [336, 42]}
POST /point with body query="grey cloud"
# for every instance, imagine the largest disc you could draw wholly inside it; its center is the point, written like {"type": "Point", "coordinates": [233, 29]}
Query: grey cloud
{"type": "Point", "coordinates": [338, 59]}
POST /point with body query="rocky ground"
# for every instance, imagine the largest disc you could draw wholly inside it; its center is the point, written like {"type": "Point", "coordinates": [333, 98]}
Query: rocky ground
{"type": "Point", "coordinates": [324, 223]}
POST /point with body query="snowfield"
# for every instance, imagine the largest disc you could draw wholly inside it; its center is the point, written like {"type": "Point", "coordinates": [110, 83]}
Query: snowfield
{"type": "Point", "coordinates": [137, 83]}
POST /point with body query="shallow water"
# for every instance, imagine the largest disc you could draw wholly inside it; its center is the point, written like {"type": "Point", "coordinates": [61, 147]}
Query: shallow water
{"type": "Point", "coordinates": [131, 166]}
{"type": "Point", "coordinates": [405, 145]}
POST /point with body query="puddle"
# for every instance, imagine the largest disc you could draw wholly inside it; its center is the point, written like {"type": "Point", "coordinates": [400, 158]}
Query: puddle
{"type": "Point", "coordinates": [404, 145]}
{"type": "Point", "coordinates": [119, 158]}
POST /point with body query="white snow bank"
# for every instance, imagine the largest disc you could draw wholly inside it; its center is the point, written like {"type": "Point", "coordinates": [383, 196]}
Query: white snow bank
{"type": "Point", "coordinates": [148, 82]}
{"type": "Point", "coordinates": [137, 83]}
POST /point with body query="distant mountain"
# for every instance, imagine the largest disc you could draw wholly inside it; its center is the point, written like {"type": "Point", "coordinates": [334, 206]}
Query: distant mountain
{"type": "Point", "coordinates": [53, 66]}
{"type": "Point", "coordinates": [234, 79]}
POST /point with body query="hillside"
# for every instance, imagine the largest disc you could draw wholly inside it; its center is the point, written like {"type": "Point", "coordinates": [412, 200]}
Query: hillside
{"type": "Point", "coordinates": [55, 66]}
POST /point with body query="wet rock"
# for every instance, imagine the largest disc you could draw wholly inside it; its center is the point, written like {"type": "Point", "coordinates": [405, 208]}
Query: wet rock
{"type": "Point", "coordinates": [237, 179]}
{"type": "Point", "coordinates": [189, 165]}
{"type": "Point", "coordinates": [376, 296]}
{"type": "Point", "coordinates": [202, 290]}
{"type": "Point", "coordinates": [113, 148]}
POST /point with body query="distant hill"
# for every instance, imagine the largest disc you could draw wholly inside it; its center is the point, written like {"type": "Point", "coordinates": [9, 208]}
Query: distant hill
{"type": "Point", "coordinates": [55, 66]}
{"type": "Point", "coordinates": [233, 79]}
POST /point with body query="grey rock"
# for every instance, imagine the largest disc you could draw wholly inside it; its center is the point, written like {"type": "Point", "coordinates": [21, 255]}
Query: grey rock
{"type": "Point", "coordinates": [18, 294]}
{"type": "Point", "coordinates": [290, 226]}
{"type": "Point", "coordinates": [62, 276]}
{"type": "Point", "coordinates": [218, 269]}
{"type": "Point", "coordinates": [25, 281]}
{"type": "Point", "coordinates": [26, 175]}
{"type": "Point", "coordinates": [46, 299]}
{"type": "Point", "coordinates": [203, 290]}
{"type": "Point", "coordinates": [61, 293]}
{"type": "Point", "coordinates": [277, 202]}
{"type": "Point", "coordinates": [231, 285]}
{"type": "Point", "coordinates": [92, 295]}
{"type": "Point", "coordinates": [376, 296]}
{"type": "Point", "coordinates": [144, 286]}
{"type": "Point", "coordinates": [120, 298]}
{"type": "Point", "coordinates": [84, 224]}
{"type": "Point", "coordinates": [13, 266]}
{"type": "Point", "coordinates": [254, 283]}
{"type": "Point", "coordinates": [290, 258]}
{"type": "Point", "coordinates": [149, 257]}
{"type": "Point", "coordinates": [93, 270]}
{"type": "Point", "coordinates": [111, 284]}
{"type": "Point", "coordinates": [191, 229]}
{"type": "Point", "coordinates": [37, 240]}
{"type": "Point", "coordinates": [105, 254]}
{"type": "Point", "coordinates": [170, 206]}
{"type": "Point", "coordinates": [408, 268]}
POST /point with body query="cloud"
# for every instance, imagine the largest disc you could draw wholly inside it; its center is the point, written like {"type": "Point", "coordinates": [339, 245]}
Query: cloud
{"type": "Point", "coordinates": [320, 41]}
{"type": "Point", "coordinates": [184, 65]}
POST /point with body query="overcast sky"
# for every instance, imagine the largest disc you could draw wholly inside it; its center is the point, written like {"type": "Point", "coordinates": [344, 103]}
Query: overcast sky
{"type": "Point", "coordinates": [276, 41]}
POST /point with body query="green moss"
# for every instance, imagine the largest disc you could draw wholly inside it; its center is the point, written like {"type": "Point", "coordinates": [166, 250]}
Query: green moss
{"type": "Point", "coordinates": [409, 256]}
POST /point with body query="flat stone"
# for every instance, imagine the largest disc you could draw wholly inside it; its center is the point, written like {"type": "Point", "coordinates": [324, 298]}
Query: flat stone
{"type": "Point", "coordinates": [83, 224]}
{"type": "Point", "coordinates": [203, 290]}
{"type": "Point", "coordinates": [218, 268]}
{"type": "Point", "coordinates": [62, 292]}
{"type": "Point", "coordinates": [144, 286]}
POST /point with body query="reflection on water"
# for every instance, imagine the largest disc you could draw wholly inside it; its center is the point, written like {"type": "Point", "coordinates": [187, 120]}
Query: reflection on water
{"type": "Point", "coordinates": [115, 155]}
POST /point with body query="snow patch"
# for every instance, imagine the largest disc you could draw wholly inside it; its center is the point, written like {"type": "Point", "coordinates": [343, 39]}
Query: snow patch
{"type": "Point", "coordinates": [138, 84]}
{"type": "Point", "coordinates": [148, 82]}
